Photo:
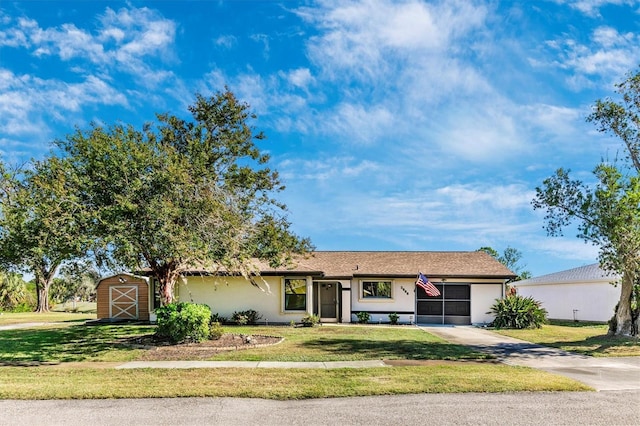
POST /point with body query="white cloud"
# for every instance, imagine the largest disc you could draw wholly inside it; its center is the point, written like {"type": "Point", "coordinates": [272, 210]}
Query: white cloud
{"type": "Point", "coordinates": [226, 41]}
{"type": "Point", "coordinates": [25, 100]}
{"type": "Point", "coordinates": [122, 42]}
{"type": "Point", "coordinates": [592, 7]}
{"type": "Point", "coordinates": [608, 56]}
{"type": "Point", "coordinates": [300, 77]}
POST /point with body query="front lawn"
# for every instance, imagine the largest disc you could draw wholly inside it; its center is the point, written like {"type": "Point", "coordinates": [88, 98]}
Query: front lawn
{"type": "Point", "coordinates": [54, 351]}
{"type": "Point", "coordinates": [92, 383]}
{"type": "Point", "coordinates": [579, 337]}
{"type": "Point", "coordinates": [340, 343]}
{"type": "Point", "coordinates": [74, 343]}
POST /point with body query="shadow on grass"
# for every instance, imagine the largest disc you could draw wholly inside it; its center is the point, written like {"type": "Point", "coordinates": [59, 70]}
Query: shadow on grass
{"type": "Point", "coordinates": [67, 344]}
{"type": "Point", "coordinates": [599, 345]}
{"type": "Point", "coordinates": [395, 349]}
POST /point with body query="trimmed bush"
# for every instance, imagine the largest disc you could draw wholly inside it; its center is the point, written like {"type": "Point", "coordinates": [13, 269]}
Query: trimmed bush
{"type": "Point", "coordinates": [215, 331]}
{"type": "Point", "coordinates": [218, 318]}
{"type": "Point", "coordinates": [249, 316]}
{"type": "Point", "coordinates": [181, 321]}
{"type": "Point", "coordinates": [310, 320]}
{"type": "Point", "coordinates": [363, 317]}
{"type": "Point", "coordinates": [393, 318]}
{"type": "Point", "coordinates": [518, 312]}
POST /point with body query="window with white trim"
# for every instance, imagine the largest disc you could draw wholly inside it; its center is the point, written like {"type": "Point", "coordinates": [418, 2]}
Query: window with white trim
{"type": "Point", "coordinates": [380, 289]}
{"type": "Point", "coordinates": [295, 294]}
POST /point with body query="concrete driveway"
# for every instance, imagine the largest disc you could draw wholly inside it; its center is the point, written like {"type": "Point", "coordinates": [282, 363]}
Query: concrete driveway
{"type": "Point", "coordinates": [621, 373]}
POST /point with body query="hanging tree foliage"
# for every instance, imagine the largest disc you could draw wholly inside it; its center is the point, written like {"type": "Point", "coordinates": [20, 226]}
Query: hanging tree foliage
{"type": "Point", "coordinates": [183, 195]}
{"type": "Point", "coordinates": [608, 214]}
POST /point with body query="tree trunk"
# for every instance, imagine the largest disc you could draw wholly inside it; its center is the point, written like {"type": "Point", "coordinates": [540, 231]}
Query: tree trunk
{"type": "Point", "coordinates": [42, 289]}
{"type": "Point", "coordinates": [623, 320]}
{"type": "Point", "coordinates": [167, 277]}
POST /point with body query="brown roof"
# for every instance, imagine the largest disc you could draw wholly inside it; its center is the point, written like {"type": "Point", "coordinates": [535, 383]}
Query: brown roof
{"type": "Point", "coordinates": [439, 264]}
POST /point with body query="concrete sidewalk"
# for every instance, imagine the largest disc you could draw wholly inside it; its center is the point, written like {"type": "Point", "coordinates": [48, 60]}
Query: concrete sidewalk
{"type": "Point", "coordinates": [621, 373]}
{"type": "Point", "coordinates": [251, 364]}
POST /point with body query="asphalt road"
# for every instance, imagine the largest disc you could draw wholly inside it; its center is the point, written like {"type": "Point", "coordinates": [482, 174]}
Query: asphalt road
{"type": "Point", "coordinates": [609, 408]}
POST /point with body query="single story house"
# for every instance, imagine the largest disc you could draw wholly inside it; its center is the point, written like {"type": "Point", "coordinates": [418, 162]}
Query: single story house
{"type": "Point", "coordinates": [578, 294]}
{"type": "Point", "coordinates": [337, 285]}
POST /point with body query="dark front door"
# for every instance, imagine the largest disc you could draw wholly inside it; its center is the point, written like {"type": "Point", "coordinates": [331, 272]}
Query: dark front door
{"type": "Point", "coordinates": [328, 296]}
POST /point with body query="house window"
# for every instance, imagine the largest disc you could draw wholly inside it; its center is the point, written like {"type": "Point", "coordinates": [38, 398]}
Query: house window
{"type": "Point", "coordinates": [295, 294]}
{"type": "Point", "coordinates": [376, 289]}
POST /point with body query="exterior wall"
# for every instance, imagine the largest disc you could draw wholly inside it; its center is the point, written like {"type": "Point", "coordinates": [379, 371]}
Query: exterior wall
{"type": "Point", "coordinates": [103, 300]}
{"type": "Point", "coordinates": [482, 297]}
{"type": "Point", "coordinates": [594, 301]}
{"type": "Point", "coordinates": [402, 302]}
{"type": "Point", "coordinates": [226, 295]}
{"type": "Point", "coordinates": [346, 300]}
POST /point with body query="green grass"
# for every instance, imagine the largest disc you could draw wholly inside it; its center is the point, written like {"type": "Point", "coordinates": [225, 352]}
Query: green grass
{"type": "Point", "coordinates": [8, 318]}
{"type": "Point", "coordinates": [68, 343]}
{"type": "Point", "coordinates": [340, 343]}
{"type": "Point", "coordinates": [39, 364]}
{"type": "Point", "coordinates": [87, 383]}
{"type": "Point", "coordinates": [77, 343]}
{"type": "Point", "coordinates": [584, 338]}
{"type": "Point", "coordinates": [78, 307]}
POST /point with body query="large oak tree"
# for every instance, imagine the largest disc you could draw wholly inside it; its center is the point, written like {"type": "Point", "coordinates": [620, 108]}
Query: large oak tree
{"type": "Point", "coordinates": [41, 224]}
{"type": "Point", "coordinates": [180, 195]}
{"type": "Point", "coordinates": [607, 213]}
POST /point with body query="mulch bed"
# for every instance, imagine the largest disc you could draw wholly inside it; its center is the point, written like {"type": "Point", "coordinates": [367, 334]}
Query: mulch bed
{"type": "Point", "coordinates": [161, 350]}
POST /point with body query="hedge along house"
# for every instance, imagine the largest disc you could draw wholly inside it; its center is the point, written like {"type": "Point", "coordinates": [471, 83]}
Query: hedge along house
{"type": "Point", "coordinates": [336, 285]}
{"type": "Point", "coordinates": [578, 294]}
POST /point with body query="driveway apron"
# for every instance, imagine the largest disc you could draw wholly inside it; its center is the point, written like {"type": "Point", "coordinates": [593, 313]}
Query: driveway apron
{"type": "Point", "coordinates": [620, 373]}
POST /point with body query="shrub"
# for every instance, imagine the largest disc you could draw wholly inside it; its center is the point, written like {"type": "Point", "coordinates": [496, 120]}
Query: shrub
{"type": "Point", "coordinates": [393, 318]}
{"type": "Point", "coordinates": [215, 330]}
{"type": "Point", "coordinates": [518, 312]}
{"type": "Point", "coordinates": [310, 320]}
{"type": "Point", "coordinates": [218, 318]}
{"type": "Point", "coordinates": [182, 321]}
{"type": "Point", "coordinates": [363, 317]}
{"type": "Point", "coordinates": [249, 316]}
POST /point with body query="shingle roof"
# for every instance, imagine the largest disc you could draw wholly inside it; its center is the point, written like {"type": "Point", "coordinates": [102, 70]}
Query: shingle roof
{"type": "Point", "coordinates": [588, 273]}
{"type": "Point", "coordinates": [344, 264]}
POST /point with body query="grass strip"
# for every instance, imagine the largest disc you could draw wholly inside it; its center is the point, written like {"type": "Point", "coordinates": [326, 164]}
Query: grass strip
{"type": "Point", "coordinates": [88, 383]}
{"type": "Point", "coordinates": [584, 338]}
{"type": "Point", "coordinates": [8, 318]}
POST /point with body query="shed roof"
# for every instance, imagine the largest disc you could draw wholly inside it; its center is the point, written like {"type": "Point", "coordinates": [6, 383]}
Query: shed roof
{"type": "Point", "coordinates": [438, 264]}
{"type": "Point", "coordinates": [587, 273]}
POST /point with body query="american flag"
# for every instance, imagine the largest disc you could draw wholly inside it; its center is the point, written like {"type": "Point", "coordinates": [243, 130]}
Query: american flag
{"type": "Point", "coordinates": [424, 283]}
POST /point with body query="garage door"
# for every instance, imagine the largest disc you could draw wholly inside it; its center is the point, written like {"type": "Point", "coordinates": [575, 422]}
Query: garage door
{"type": "Point", "coordinates": [453, 306]}
{"type": "Point", "coordinates": [123, 302]}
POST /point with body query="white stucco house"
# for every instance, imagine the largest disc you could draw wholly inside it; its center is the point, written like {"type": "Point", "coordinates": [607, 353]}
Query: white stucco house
{"type": "Point", "coordinates": [336, 285]}
{"type": "Point", "coordinates": [582, 294]}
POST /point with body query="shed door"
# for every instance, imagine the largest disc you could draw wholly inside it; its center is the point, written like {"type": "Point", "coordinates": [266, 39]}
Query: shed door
{"type": "Point", "coordinates": [123, 302]}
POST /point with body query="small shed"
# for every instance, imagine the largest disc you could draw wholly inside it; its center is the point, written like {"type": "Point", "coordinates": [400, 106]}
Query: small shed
{"type": "Point", "coordinates": [123, 297]}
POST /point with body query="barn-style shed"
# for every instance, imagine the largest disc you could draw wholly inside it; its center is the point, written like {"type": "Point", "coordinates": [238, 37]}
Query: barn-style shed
{"type": "Point", "coordinates": [123, 297]}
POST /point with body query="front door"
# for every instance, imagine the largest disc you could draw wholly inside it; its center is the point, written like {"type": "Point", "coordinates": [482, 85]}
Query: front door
{"type": "Point", "coordinates": [328, 302]}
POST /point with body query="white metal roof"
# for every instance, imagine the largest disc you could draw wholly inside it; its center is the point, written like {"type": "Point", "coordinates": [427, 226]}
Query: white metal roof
{"type": "Point", "coordinates": [588, 273]}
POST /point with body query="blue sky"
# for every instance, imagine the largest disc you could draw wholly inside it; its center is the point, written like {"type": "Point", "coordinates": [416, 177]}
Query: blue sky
{"type": "Point", "coordinates": [396, 125]}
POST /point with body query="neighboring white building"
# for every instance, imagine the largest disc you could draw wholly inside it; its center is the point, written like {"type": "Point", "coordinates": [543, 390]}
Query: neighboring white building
{"type": "Point", "coordinates": [582, 294]}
